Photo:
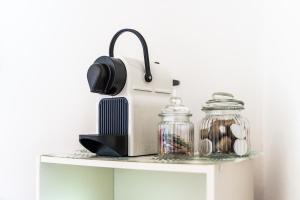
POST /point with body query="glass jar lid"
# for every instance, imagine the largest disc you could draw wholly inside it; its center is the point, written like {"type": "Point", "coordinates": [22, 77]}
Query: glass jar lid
{"type": "Point", "coordinates": [223, 101]}
{"type": "Point", "coordinates": [175, 108]}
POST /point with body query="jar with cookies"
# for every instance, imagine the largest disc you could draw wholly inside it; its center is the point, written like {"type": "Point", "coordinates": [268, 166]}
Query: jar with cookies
{"type": "Point", "coordinates": [224, 132]}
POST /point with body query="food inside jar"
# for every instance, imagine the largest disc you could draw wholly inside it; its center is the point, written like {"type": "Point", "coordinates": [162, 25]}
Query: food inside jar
{"type": "Point", "coordinates": [222, 134]}
{"type": "Point", "coordinates": [174, 144]}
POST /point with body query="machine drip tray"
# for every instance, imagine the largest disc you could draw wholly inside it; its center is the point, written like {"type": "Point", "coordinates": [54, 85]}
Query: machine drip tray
{"type": "Point", "coordinates": [105, 145]}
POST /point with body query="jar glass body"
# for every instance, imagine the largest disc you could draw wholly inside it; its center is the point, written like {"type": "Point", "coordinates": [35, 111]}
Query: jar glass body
{"type": "Point", "coordinates": [176, 137]}
{"type": "Point", "coordinates": [224, 133]}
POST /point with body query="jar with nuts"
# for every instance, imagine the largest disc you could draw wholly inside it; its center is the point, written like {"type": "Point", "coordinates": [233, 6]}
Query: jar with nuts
{"type": "Point", "coordinates": [176, 132]}
{"type": "Point", "coordinates": [224, 132]}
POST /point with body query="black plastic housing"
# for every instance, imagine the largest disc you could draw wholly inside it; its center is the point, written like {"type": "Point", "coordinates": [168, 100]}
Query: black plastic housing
{"type": "Point", "coordinates": [106, 145]}
{"type": "Point", "coordinates": [107, 76]}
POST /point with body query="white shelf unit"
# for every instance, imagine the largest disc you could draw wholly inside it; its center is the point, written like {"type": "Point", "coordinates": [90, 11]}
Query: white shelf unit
{"type": "Point", "coordinates": [143, 178]}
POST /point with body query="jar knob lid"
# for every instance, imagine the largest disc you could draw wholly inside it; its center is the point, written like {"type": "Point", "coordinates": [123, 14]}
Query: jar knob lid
{"type": "Point", "coordinates": [223, 101]}
{"type": "Point", "coordinates": [175, 107]}
{"type": "Point", "coordinates": [175, 100]}
{"type": "Point", "coordinates": [222, 95]}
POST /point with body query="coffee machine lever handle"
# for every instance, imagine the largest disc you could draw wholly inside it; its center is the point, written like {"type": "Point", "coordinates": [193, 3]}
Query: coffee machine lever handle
{"type": "Point", "coordinates": [148, 75]}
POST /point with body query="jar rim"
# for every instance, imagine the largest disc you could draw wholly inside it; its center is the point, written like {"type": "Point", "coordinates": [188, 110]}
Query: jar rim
{"type": "Point", "coordinates": [175, 114]}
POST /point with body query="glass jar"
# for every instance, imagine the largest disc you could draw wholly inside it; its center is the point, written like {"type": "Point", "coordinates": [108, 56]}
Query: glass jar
{"type": "Point", "coordinates": [224, 132]}
{"type": "Point", "coordinates": [176, 132]}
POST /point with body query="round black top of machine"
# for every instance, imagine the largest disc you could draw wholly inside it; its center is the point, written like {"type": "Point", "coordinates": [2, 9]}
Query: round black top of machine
{"type": "Point", "coordinates": [107, 76]}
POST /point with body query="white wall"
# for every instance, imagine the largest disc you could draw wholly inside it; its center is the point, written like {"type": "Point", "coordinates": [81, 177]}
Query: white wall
{"type": "Point", "coordinates": [46, 48]}
{"type": "Point", "coordinates": [280, 58]}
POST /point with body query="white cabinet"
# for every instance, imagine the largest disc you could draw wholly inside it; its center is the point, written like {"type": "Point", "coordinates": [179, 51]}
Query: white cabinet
{"type": "Point", "coordinates": [144, 178]}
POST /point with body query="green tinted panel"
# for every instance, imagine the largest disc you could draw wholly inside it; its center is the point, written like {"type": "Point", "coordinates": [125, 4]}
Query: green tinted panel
{"type": "Point", "coordinates": [66, 182]}
{"type": "Point", "coordinates": [151, 185]}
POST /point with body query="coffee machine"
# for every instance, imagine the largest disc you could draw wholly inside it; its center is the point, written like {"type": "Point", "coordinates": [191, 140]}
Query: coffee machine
{"type": "Point", "coordinates": [132, 94]}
